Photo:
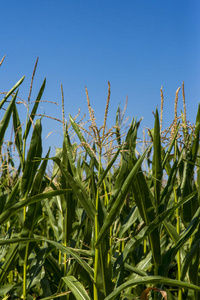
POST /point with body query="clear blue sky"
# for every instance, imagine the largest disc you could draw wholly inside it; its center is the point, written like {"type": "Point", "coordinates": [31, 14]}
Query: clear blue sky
{"type": "Point", "coordinates": [137, 45]}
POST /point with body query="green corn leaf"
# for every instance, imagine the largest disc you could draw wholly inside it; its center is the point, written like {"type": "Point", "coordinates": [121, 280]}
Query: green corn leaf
{"type": "Point", "coordinates": [194, 271]}
{"type": "Point", "coordinates": [189, 208]}
{"type": "Point", "coordinates": [172, 231]}
{"type": "Point", "coordinates": [143, 195]}
{"type": "Point", "coordinates": [76, 287]}
{"type": "Point", "coordinates": [5, 289]}
{"type": "Point", "coordinates": [198, 176]}
{"type": "Point", "coordinates": [11, 91]}
{"type": "Point", "coordinates": [188, 259]}
{"type": "Point", "coordinates": [34, 210]}
{"type": "Point", "coordinates": [52, 220]}
{"type": "Point", "coordinates": [78, 189]}
{"type": "Point", "coordinates": [34, 110]}
{"type": "Point", "coordinates": [128, 156]}
{"type": "Point", "coordinates": [136, 270]}
{"type": "Point", "coordinates": [129, 221]}
{"type": "Point", "coordinates": [69, 203]}
{"type": "Point", "coordinates": [117, 119]}
{"type": "Point", "coordinates": [138, 239]}
{"type": "Point", "coordinates": [165, 156]}
{"type": "Point", "coordinates": [188, 231]}
{"type": "Point", "coordinates": [195, 144]}
{"type": "Point", "coordinates": [57, 295]}
{"type": "Point", "coordinates": [35, 274]}
{"type": "Point", "coordinates": [8, 213]}
{"type": "Point", "coordinates": [37, 184]}
{"type": "Point", "coordinates": [170, 254]}
{"type": "Point", "coordinates": [119, 202]}
{"type": "Point", "coordinates": [18, 133]}
{"type": "Point", "coordinates": [82, 140]}
{"type": "Point", "coordinates": [13, 195]}
{"type": "Point", "coordinates": [157, 162]}
{"type": "Point", "coordinates": [34, 151]}
{"type": "Point", "coordinates": [109, 166]}
{"type": "Point", "coordinates": [6, 118]}
{"type": "Point", "coordinates": [151, 280]}
{"type": "Point", "coordinates": [169, 188]}
{"type": "Point", "coordinates": [68, 148]}
{"type": "Point", "coordinates": [9, 263]}
{"type": "Point", "coordinates": [57, 245]}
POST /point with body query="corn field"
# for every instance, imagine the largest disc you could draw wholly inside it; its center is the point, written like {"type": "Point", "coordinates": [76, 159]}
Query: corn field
{"type": "Point", "coordinates": [113, 219]}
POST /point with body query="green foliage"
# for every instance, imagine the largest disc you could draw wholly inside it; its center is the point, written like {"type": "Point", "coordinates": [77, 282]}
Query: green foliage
{"type": "Point", "coordinates": [108, 221]}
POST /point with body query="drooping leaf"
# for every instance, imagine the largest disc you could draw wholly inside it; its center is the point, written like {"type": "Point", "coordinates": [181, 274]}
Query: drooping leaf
{"type": "Point", "coordinates": [151, 280]}
{"type": "Point", "coordinates": [57, 245]}
{"type": "Point", "coordinates": [76, 287]}
{"type": "Point", "coordinates": [4, 217]}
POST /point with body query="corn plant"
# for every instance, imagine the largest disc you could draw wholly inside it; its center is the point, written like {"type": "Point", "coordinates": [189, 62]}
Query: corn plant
{"type": "Point", "coordinates": [100, 225]}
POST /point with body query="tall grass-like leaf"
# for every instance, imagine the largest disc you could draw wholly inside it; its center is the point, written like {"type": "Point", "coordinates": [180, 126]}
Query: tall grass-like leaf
{"type": "Point", "coordinates": [5, 289]}
{"type": "Point", "coordinates": [68, 160]}
{"type": "Point", "coordinates": [76, 287]}
{"type": "Point", "coordinates": [13, 196]}
{"type": "Point", "coordinates": [166, 155]}
{"type": "Point", "coordinates": [195, 144]}
{"type": "Point", "coordinates": [34, 151]}
{"type": "Point", "coordinates": [157, 162]}
{"type": "Point", "coordinates": [82, 140]}
{"type": "Point", "coordinates": [171, 231]}
{"type": "Point", "coordinates": [129, 221]}
{"type": "Point", "coordinates": [5, 216]}
{"type": "Point", "coordinates": [11, 91]}
{"type": "Point", "coordinates": [190, 208]}
{"type": "Point", "coordinates": [57, 245]}
{"type": "Point", "coordinates": [34, 210]}
{"type": "Point", "coordinates": [67, 147]}
{"type": "Point", "coordinates": [117, 119]}
{"type": "Point", "coordinates": [6, 118]}
{"type": "Point", "coordinates": [109, 166]}
{"type": "Point", "coordinates": [33, 112]}
{"type": "Point", "coordinates": [137, 240]}
{"type": "Point", "coordinates": [170, 254]}
{"type": "Point", "coordinates": [143, 196]}
{"type": "Point", "coordinates": [18, 133]}
{"type": "Point", "coordinates": [118, 203]}
{"type": "Point", "coordinates": [189, 257]}
{"type": "Point", "coordinates": [127, 157]}
{"type": "Point", "coordinates": [9, 263]}
{"type": "Point", "coordinates": [79, 191]}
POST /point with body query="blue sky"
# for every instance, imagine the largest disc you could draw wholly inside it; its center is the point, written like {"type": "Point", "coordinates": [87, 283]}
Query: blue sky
{"type": "Point", "coordinates": [137, 45]}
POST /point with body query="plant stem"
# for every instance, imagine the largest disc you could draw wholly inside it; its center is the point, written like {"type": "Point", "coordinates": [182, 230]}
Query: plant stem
{"type": "Point", "coordinates": [96, 252]}
{"type": "Point", "coordinates": [178, 253]}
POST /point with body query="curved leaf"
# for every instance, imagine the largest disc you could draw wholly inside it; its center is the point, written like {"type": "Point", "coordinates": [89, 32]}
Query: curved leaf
{"type": "Point", "coordinates": [152, 280]}
{"type": "Point", "coordinates": [76, 287]}
{"type": "Point", "coordinates": [5, 216]}
{"type": "Point", "coordinates": [11, 91]}
{"type": "Point", "coordinates": [62, 248]}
